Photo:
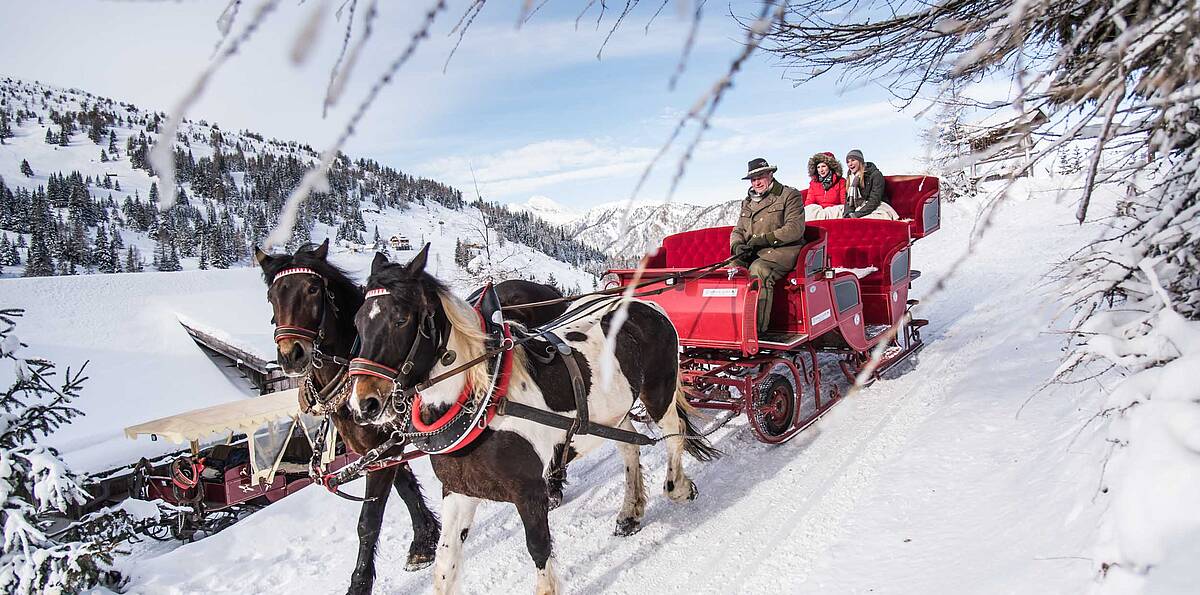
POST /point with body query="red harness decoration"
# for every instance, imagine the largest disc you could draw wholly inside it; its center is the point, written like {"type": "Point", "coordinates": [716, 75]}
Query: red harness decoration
{"type": "Point", "coordinates": [498, 393]}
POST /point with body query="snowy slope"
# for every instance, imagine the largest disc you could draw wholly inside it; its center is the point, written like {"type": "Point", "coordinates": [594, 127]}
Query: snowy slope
{"type": "Point", "coordinates": [432, 222]}
{"type": "Point", "coordinates": [954, 475]}
{"type": "Point", "coordinates": [142, 365]}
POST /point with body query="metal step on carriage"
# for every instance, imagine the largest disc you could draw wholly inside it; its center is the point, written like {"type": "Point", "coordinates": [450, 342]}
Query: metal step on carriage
{"type": "Point", "coordinates": [848, 293]}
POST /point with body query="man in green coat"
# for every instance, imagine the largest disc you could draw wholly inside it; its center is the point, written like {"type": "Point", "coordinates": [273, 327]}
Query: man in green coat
{"type": "Point", "coordinates": [769, 233]}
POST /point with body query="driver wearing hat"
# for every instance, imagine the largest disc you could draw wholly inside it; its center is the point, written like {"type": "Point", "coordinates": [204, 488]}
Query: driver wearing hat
{"type": "Point", "coordinates": [769, 233]}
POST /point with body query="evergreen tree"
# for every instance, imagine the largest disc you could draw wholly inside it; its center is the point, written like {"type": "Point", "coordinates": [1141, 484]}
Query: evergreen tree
{"type": "Point", "coordinates": [203, 253]}
{"type": "Point", "coordinates": [101, 252]}
{"type": "Point", "coordinates": [26, 170]}
{"type": "Point", "coordinates": [103, 157]}
{"type": "Point", "coordinates": [117, 185]}
{"type": "Point", "coordinates": [133, 260]}
{"type": "Point", "coordinates": [462, 254]}
{"type": "Point", "coordinates": [38, 555]}
{"type": "Point", "coordinates": [39, 262]}
{"type": "Point", "coordinates": [5, 127]}
{"type": "Point", "coordinates": [64, 137]}
{"type": "Point", "coordinates": [50, 138]}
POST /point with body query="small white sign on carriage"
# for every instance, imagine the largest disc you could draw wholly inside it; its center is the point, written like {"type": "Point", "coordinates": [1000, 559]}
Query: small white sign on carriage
{"type": "Point", "coordinates": [720, 292]}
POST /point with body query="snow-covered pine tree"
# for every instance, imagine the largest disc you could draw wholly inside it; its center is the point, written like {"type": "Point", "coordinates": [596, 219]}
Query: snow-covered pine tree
{"type": "Point", "coordinates": [38, 261]}
{"type": "Point", "coordinates": [37, 555]}
{"type": "Point", "coordinates": [949, 149]}
{"type": "Point", "coordinates": [5, 127]}
{"type": "Point", "coordinates": [133, 260]}
{"type": "Point", "coordinates": [26, 170]}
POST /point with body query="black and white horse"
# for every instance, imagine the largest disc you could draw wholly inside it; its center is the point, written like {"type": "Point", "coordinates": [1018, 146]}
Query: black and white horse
{"type": "Point", "coordinates": [313, 304]}
{"type": "Point", "coordinates": [412, 325]}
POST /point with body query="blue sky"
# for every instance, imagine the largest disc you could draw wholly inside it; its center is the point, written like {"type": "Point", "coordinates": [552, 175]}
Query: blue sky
{"type": "Point", "coordinates": [531, 110]}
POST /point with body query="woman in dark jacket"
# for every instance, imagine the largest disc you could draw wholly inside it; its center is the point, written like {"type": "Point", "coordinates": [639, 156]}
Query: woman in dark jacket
{"type": "Point", "coordinates": [864, 190]}
{"type": "Point", "coordinates": [827, 191]}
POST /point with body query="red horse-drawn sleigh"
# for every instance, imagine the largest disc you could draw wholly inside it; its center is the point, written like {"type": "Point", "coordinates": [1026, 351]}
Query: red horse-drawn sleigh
{"type": "Point", "coordinates": [847, 295]}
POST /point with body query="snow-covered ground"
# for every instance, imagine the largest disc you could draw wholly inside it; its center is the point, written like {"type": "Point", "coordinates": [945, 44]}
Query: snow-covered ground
{"type": "Point", "coordinates": [955, 474]}
{"type": "Point", "coordinates": [143, 365]}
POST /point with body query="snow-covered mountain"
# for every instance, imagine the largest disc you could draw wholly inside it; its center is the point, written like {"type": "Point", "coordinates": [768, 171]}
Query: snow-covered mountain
{"type": "Point", "coordinates": [547, 209]}
{"type": "Point", "coordinates": [77, 195]}
{"type": "Point", "coordinates": [606, 228]}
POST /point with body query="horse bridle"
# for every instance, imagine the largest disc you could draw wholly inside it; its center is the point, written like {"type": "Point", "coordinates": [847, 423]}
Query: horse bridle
{"type": "Point", "coordinates": [401, 378]}
{"type": "Point", "coordinates": [283, 331]}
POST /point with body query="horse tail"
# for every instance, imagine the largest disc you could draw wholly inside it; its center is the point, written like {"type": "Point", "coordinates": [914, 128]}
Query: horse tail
{"type": "Point", "coordinates": [693, 444]}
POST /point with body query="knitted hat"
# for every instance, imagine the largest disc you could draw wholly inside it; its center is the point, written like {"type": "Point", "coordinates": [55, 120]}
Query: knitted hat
{"type": "Point", "coordinates": [855, 154]}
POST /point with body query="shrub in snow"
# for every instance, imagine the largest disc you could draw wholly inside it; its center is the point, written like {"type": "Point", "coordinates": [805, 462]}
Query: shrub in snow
{"type": "Point", "coordinates": [37, 488]}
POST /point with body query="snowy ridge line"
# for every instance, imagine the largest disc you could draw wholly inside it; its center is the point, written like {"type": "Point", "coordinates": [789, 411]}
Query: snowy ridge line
{"type": "Point", "coordinates": [231, 206]}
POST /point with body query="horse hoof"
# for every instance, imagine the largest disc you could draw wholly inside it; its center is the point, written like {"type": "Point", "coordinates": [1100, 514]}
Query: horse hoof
{"type": "Point", "coordinates": [627, 527]}
{"type": "Point", "coordinates": [555, 499]}
{"type": "Point", "coordinates": [417, 562]}
{"type": "Point", "coordinates": [682, 494]}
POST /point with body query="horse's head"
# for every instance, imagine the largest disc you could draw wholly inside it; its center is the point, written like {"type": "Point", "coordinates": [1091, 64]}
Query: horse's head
{"type": "Point", "coordinates": [302, 302]}
{"type": "Point", "coordinates": [403, 329]}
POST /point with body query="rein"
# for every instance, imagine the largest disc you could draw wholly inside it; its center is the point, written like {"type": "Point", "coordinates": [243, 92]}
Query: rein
{"type": "Point", "coordinates": [676, 276]}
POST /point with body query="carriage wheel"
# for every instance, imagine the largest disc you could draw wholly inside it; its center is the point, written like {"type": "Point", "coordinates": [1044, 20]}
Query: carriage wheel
{"type": "Point", "coordinates": [774, 406]}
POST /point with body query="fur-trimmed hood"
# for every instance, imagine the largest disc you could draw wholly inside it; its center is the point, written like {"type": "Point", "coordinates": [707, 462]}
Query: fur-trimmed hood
{"type": "Point", "coordinates": [828, 159]}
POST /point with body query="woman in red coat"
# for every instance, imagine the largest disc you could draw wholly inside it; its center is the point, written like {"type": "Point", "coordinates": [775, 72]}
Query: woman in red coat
{"type": "Point", "coordinates": [826, 195]}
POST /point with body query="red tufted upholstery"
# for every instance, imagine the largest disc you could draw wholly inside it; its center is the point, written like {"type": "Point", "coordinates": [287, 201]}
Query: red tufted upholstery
{"type": "Point", "coordinates": [705, 246]}
{"type": "Point", "coordinates": [906, 194]}
{"type": "Point", "coordinates": [696, 248]}
{"type": "Point", "coordinates": [861, 243]}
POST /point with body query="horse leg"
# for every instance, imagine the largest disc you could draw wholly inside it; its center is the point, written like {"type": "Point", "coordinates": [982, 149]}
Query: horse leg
{"type": "Point", "coordinates": [678, 486]}
{"type": "Point", "coordinates": [554, 484]}
{"type": "Point", "coordinates": [370, 519]}
{"type": "Point", "coordinates": [425, 524]}
{"type": "Point", "coordinates": [629, 521]}
{"type": "Point", "coordinates": [535, 515]}
{"type": "Point", "coordinates": [557, 477]}
{"type": "Point", "coordinates": [458, 512]}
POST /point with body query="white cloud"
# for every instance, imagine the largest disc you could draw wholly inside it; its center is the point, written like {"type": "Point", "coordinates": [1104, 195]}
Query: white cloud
{"type": "Point", "coordinates": [539, 166]}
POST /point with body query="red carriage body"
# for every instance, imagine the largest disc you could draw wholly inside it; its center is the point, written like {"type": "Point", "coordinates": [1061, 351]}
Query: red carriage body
{"type": "Point", "coordinates": [848, 290]}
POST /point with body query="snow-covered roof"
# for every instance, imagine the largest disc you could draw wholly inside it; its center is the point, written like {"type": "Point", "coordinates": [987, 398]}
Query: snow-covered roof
{"type": "Point", "coordinates": [142, 363]}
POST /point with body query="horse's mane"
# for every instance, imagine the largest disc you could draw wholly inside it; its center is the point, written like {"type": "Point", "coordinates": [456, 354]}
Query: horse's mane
{"type": "Point", "coordinates": [467, 338]}
{"type": "Point", "coordinates": [348, 294]}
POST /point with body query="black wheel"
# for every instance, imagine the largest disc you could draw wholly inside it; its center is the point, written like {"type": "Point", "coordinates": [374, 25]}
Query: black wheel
{"type": "Point", "coordinates": [775, 405]}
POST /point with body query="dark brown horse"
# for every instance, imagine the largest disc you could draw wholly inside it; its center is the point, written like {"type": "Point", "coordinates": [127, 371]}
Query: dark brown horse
{"type": "Point", "coordinates": [314, 304]}
{"type": "Point", "coordinates": [412, 325]}
{"type": "Point", "coordinates": [319, 308]}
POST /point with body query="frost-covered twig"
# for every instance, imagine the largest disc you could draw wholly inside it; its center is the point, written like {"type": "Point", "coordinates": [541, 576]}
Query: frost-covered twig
{"type": "Point", "coordinates": [162, 155]}
{"type": "Point", "coordinates": [315, 178]}
{"type": "Point", "coordinates": [340, 75]}
{"type": "Point", "coordinates": [464, 23]}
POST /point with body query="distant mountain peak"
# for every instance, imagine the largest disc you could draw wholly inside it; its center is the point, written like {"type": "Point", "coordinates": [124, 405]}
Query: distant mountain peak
{"type": "Point", "coordinates": [549, 210]}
